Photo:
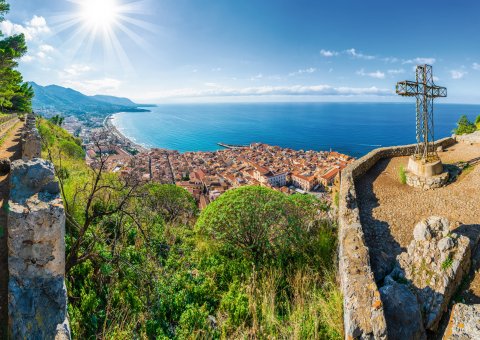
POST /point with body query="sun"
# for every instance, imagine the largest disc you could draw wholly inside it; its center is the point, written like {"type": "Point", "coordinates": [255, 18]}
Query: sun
{"type": "Point", "coordinates": [100, 13]}
{"type": "Point", "coordinates": [93, 25]}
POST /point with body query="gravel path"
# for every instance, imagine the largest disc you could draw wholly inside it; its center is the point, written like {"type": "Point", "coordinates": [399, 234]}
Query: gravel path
{"type": "Point", "coordinates": [389, 210]}
{"type": "Point", "coordinates": [9, 149]}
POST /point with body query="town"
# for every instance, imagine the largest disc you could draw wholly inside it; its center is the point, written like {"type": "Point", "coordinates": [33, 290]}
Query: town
{"type": "Point", "coordinates": [206, 175]}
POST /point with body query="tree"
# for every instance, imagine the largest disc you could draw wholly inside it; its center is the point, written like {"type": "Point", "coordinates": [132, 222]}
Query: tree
{"type": "Point", "coordinates": [464, 126]}
{"type": "Point", "coordinates": [477, 122]}
{"type": "Point", "coordinates": [172, 202]}
{"type": "Point", "coordinates": [260, 222]}
{"type": "Point", "coordinates": [14, 94]}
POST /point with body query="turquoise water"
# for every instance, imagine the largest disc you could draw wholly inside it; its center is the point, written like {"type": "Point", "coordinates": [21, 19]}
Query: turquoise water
{"type": "Point", "coordinates": [352, 128]}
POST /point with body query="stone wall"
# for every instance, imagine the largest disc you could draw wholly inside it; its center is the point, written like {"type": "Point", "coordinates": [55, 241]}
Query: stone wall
{"type": "Point", "coordinates": [364, 316]}
{"type": "Point", "coordinates": [37, 297]}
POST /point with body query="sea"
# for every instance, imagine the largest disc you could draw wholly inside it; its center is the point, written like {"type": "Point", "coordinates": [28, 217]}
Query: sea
{"type": "Point", "coordinates": [350, 128]}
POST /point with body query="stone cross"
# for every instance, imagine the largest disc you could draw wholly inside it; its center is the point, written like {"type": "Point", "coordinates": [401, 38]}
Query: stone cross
{"type": "Point", "coordinates": [425, 90]}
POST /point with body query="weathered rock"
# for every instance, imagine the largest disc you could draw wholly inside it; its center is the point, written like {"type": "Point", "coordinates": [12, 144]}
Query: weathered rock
{"type": "Point", "coordinates": [464, 322]}
{"type": "Point", "coordinates": [402, 312]}
{"type": "Point", "coordinates": [469, 138]}
{"type": "Point", "coordinates": [31, 144]}
{"type": "Point", "coordinates": [36, 253]}
{"type": "Point", "coordinates": [435, 266]}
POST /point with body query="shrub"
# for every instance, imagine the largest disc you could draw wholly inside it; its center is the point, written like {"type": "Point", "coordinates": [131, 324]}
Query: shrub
{"type": "Point", "coordinates": [260, 222]}
{"type": "Point", "coordinates": [71, 149]}
{"type": "Point", "coordinates": [477, 122]}
{"type": "Point", "coordinates": [402, 175]}
{"type": "Point", "coordinates": [447, 263]}
{"type": "Point", "coordinates": [464, 126]}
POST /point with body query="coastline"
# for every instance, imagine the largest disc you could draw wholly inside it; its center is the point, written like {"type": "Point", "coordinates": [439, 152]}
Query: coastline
{"type": "Point", "coordinates": [108, 125]}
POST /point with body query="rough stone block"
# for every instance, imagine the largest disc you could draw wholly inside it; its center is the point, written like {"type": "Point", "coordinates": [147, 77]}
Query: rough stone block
{"type": "Point", "coordinates": [36, 253]}
{"type": "Point", "coordinates": [435, 266]}
{"type": "Point", "coordinates": [464, 322]}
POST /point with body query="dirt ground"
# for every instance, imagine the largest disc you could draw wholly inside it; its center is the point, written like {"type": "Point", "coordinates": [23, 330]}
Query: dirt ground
{"type": "Point", "coordinates": [390, 210]}
{"type": "Point", "coordinates": [9, 149]}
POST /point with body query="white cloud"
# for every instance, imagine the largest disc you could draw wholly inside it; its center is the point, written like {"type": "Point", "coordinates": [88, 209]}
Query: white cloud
{"type": "Point", "coordinates": [476, 66]}
{"type": "Point", "coordinates": [41, 55]}
{"type": "Point", "coordinates": [353, 52]}
{"type": "Point", "coordinates": [327, 53]}
{"type": "Point", "coordinates": [377, 74]}
{"type": "Point", "coordinates": [94, 86]}
{"type": "Point", "coordinates": [46, 48]}
{"type": "Point", "coordinates": [32, 29]}
{"type": "Point", "coordinates": [302, 71]}
{"type": "Point", "coordinates": [419, 61]}
{"type": "Point", "coordinates": [435, 78]}
{"type": "Point", "coordinates": [27, 59]}
{"type": "Point", "coordinates": [295, 90]}
{"type": "Point", "coordinates": [457, 74]}
{"type": "Point", "coordinates": [216, 69]}
{"type": "Point", "coordinates": [75, 70]}
{"type": "Point", "coordinates": [396, 71]}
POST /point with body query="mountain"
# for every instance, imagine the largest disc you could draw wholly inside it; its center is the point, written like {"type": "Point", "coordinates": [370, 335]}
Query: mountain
{"type": "Point", "coordinates": [66, 100]}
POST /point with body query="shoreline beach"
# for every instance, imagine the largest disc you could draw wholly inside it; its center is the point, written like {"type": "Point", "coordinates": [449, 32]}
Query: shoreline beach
{"type": "Point", "coordinates": [108, 124]}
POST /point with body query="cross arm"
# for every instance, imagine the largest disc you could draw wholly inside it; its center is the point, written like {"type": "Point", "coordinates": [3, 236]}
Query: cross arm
{"type": "Point", "coordinates": [409, 88]}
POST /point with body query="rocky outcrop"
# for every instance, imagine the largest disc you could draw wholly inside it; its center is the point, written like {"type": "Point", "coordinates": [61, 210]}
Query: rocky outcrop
{"type": "Point", "coordinates": [364, 314]}
{"type": "Point", "coordinates": [37, 297]}
{"type": "Point", "coordinates": [464, 322]}
{"type": "Point", "coordinates": [434, 264]}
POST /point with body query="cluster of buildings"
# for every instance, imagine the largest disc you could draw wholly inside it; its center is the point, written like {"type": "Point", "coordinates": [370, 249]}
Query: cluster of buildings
{"type": "Point", "coordinates": [206, 175]}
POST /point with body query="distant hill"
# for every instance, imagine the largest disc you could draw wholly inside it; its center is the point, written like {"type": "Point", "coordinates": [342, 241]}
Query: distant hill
{"type": "Point", "coordinates": [66, 100]}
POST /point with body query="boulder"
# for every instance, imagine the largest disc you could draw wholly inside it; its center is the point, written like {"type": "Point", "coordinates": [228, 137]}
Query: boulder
{"type": "Point", "coordinates": [434, 265]}
{"type": "Point", "coordinates": [464, 322]}
{"type": "Point", "coordinates": [402, 312]}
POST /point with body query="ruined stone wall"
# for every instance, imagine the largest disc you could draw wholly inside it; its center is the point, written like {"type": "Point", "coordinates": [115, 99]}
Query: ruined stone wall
{"type": "Point", "coordinates": [364, 316]}
{"type": "Point", "coordinates": [37, 296]}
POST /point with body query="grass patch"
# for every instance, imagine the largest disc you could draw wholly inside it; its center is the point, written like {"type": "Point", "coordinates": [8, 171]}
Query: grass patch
{"type": "Point", "coordinates": [402, 175]}
{"type": "Point", "coordinates": [447, 263]}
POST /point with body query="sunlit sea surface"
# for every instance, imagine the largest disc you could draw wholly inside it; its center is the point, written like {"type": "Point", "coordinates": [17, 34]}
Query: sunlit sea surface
{"type": "Point", "coordinates": [351, 128]}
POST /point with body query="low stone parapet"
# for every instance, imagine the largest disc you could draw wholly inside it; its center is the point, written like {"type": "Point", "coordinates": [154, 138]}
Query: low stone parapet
{"type": "Point", "coordinates": [472, 138]}
{"type": "Point", "coordinates": [37, 298]}
{"type": "Point", "coordinates": [364, 315]}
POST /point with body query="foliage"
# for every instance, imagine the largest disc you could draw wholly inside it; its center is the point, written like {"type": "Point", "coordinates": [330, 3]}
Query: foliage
{"type": "Point", "coordinates": [57, 120]}
{"type": "Point", "coordinates": [14, 94]}
{"type": "Point", "coordinates": [447, 263]}
{"type": "Point", "coordinates": [477, 122]}
{"type": "Point", "coordinates": [464, 126]}
{"type": "Point", "coordinates": [402, 175]}
{"type": "Point", "coordinates": [154, 269]}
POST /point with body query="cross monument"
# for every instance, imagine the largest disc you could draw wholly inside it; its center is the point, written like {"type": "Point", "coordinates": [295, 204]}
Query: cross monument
{"type": "Point", "coordinates": [425, 161]}
{"type": "Point", "coordinates": [425, 90]}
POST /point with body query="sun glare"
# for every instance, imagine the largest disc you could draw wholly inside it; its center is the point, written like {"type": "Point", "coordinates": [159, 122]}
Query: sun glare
{"type": "Point", "coordinates": [100, 13]}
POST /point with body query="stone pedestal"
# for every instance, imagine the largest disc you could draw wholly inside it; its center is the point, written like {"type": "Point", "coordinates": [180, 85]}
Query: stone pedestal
{"type": "Point", "coordinates": [426, 175]}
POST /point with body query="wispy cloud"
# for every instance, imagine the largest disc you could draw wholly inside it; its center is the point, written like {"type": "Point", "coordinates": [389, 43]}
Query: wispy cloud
{"type": "Point", "coordinates": [75, 70]}
{"type": "Point", "coordinates": [295, 90]}
{"type": "Point", "coordinates": [257, 77]}
{"type": "Point", "coordinates": [303, 71]}
{"type": "Point", "coordinates": [353, 52]}
{"type": "Point", "coordinates": [476, 66]}
{"type": "Point", "coordinates": [396, 71]}
{"type": "Point", "coordinates": [377, 74]}
{"type": "Point", "coordinates": [420, 61]}
{"type": "Point", "coordinates": [328, 53]}
{"type": "Point", "coordinates": [94, 86]}
{"type": "Point", "coordinates": [457, 74]}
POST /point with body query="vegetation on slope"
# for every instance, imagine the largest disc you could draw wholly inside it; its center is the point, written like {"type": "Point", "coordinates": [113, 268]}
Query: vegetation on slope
{"type": "Point", "coordinates": [465, 126]}
{"type": "Point", "coordinates": [15, 95]}
{"type": "Point", "coordinates": [143, 263]}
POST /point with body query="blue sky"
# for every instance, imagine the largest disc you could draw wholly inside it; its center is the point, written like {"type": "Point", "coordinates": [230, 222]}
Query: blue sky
{"type": "Point", "coordinates": [248, 50]}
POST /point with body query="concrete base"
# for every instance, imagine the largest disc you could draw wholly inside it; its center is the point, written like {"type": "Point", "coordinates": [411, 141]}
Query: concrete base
{"type": "Point", "coordinates": [424, 169]}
